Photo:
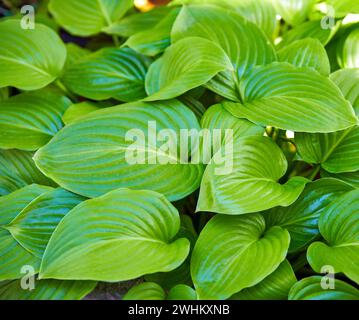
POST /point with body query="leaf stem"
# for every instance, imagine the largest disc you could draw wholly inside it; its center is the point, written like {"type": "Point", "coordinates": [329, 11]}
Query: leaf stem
{"type": "Point", "coordinates": [315, 172]}
{"type": "Point", "coordinates": [62, 87]}
{"type": "Point", "coordinates": [116, 41]}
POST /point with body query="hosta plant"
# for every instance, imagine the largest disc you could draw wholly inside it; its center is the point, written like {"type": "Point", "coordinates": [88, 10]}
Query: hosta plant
{"type": "Point", "coordinates": [202, 149]}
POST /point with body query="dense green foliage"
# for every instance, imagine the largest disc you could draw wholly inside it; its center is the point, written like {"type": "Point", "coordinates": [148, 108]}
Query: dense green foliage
{"type": "Point", "coordinates": [262, 213]}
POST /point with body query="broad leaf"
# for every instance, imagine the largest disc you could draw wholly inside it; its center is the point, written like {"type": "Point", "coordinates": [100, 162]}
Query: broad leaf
{"type": "Point", "coordinates": [155, 40]}
{"type": "Point", "coordinates": [46, 290]}
{"type": "Point", "coordinates": [292, 98]}
{"type": "Point", "coordinates": [351, 178]}
{"type": "Point", "coordinates": [187, 64]}
{"type": "Point", "coordinates": [138, 22]}
{"type": "Point", "coordinates": [339, 226]}
{"type": "Point", "coordinates": [335, 152]}
{"type": "Point", "coordinates": [182, 292]}
{"type": "Point", "coordinates": [294, 11]}
{"type": "Point", "coordinates": [233, 253]}
{"type": "Point", "coordinates": [92, 165]}
{"type": "Point", "coordinates": [343, 7]}
{"type": "Point", "coordinates": [311, 289]}
{"type": "Point", "coordinates": [145, 291]}
{"type": "Point", "coordinates": [301, 218]}
{"type": "Point", "coordinates": [274, 287]}
{"type": "Point", "coordinates": [306, 53]}
{"type": "Point", "coordinates": [262, 13]}
{"type": "Point", "coordinates": [109, 73]}
{"type": "Point", "coordinates": [132, 231]}
{"type": "Point", "coordinates": [78, 111]}
{"type": "Point", "coordinates": [351, 50]}
{"type": "Point", "coordinates": [309, 29]}
{"type": "Point", "coordinates": [238, 37]}
{"type": "Point", "coordinates": [34, 225]}
{"type": "Point", "coordinates": [237, 178]}
{"type": "Point", "coordinates": [17, 170]}
{"type": "Point", "coordinates": [348, 82]}
{"type": "Point", "coordinates": [88, 17]}
{"type": "Point", "coordinates": [29, 120]}
{"type": "Point", "coordinates": [13, 255]}
{"type": "Point", "coordinates": [29, 59]}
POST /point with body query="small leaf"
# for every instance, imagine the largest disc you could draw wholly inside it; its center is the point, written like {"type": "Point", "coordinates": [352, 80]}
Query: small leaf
{"type": "Point", "coordinates": [34, 225]}
{"type": "Point", "coordinates": [301, 218]}
{"type": "Point", "coordinates": [109, 73]}
{"type": "Point", "coordinates": [293, 98]}
{"type": "Point", "coordinates": [311, 289]}
{"type": "Point", "coordinates": [348, 82]}
{"type": "Point", "coordinates": [182, 292]}
{"type": "Point", "coordinates": [274, 287]}
{"type": "Point", "coordinates": [29, 59]}
{"type": "Point", "coordinates": [91, 165]}
{"type": "Point", "coordinates": [351, 50]}
{"type": "Point", "coordinates": [13, 255]}
{"type": "Point", "coordinates": [155, 40]}
{"type": "Point", "coordinates": [132, 231]}
{"type": "Point", "coordinates": [145, 291]}
{"type": "Point", "coordinates": [233, 253]}
{"type": "Point", "coordinates": [309, 29]}
{"type": "Point", "coordinates": [88, 17]}
{"type": "Point", "coordinates": [306, 53]}
{"type": "Point", "coordinates": [187, 64]}
{"type": "Point", "coordinates": [29, 120]}
{"type": "Point", "coordinates": [238, 37]}
{"type": "Point", "coordinates": [339, 226]}
{"type": "Point", "coordinates": [257, 164]}
{"type": "Point", "coordinates": [294, 11]}
{"type": "Point", "coordinates": [17, 170]}
{"type": "Point", "coordinates": [78, 111]}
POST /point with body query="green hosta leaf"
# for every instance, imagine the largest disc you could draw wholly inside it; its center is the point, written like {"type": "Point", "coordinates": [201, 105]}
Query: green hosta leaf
{"type": "Point", "coordinates": [34, 225]}
{"type": "Point", "coordinates": [294, 11]}
{"type": "Point", "coordinates": [301, 218]}
{"type": "Point", "coordinates": [133, 231]}
{"type": "Point", "coordinates": [311, 289]}
{"type": "Point", "coordinates": [109, 73]}
{"type": "Point", "coordinates": [348, 82]}
{"type": "Point", "coordinates": [46, 290]}
{"type": "Point", "coordinates": [343, 7]}
{"type": "Point", "coordinates": [274, 287]}
{"type": "Point", "coordinates": [233, 253]}
{"type": "Point", "coordinates": [30, 120]}
{"type": "Point", "coordinates": [258, 164]}
{"type": "Point", "coordinates": [138, 22]}
{"type": "Point", "coordinates": [238, 37]}
{"type": "Point", "coordinates": [336, 152]}
{"type": "Point", "coordinates": [17, 170]}
{"type": "Point", "coordinates": [88, 17]}
{"type": "Point", "coordinates": [339, 226]}
{"type": "Point", "coordinates": [293, 98]}
{"type": "Point", "coordinates": [309, 29]}
{"type": "Point", "coordinates": [13, 255]}
{"type": "Point", "coordinates": [155, 40]}
{"type": "Point", "coordinates": [351, 50]}
{"type": "Point", "coordinates": [78, 111]}
{"type": "Point", "coordinates": [29, 59]}
{"type": "Point", "coordinates": [75, 54]}
{"type": "Point", "coordinates": [145, 291]}
{"type": "Point", "coordinates": [187, 64]}
{"type": "Point", "coordinates": [4, 93]}
{"type": "Point", "coordinates": [307, 52]}
{"type": "Point", "coordinates": [351, 178]}
{"type": "Point", "coordinates": [182, 292]}
{"type": "Point", "coordinates": [92, 165]}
